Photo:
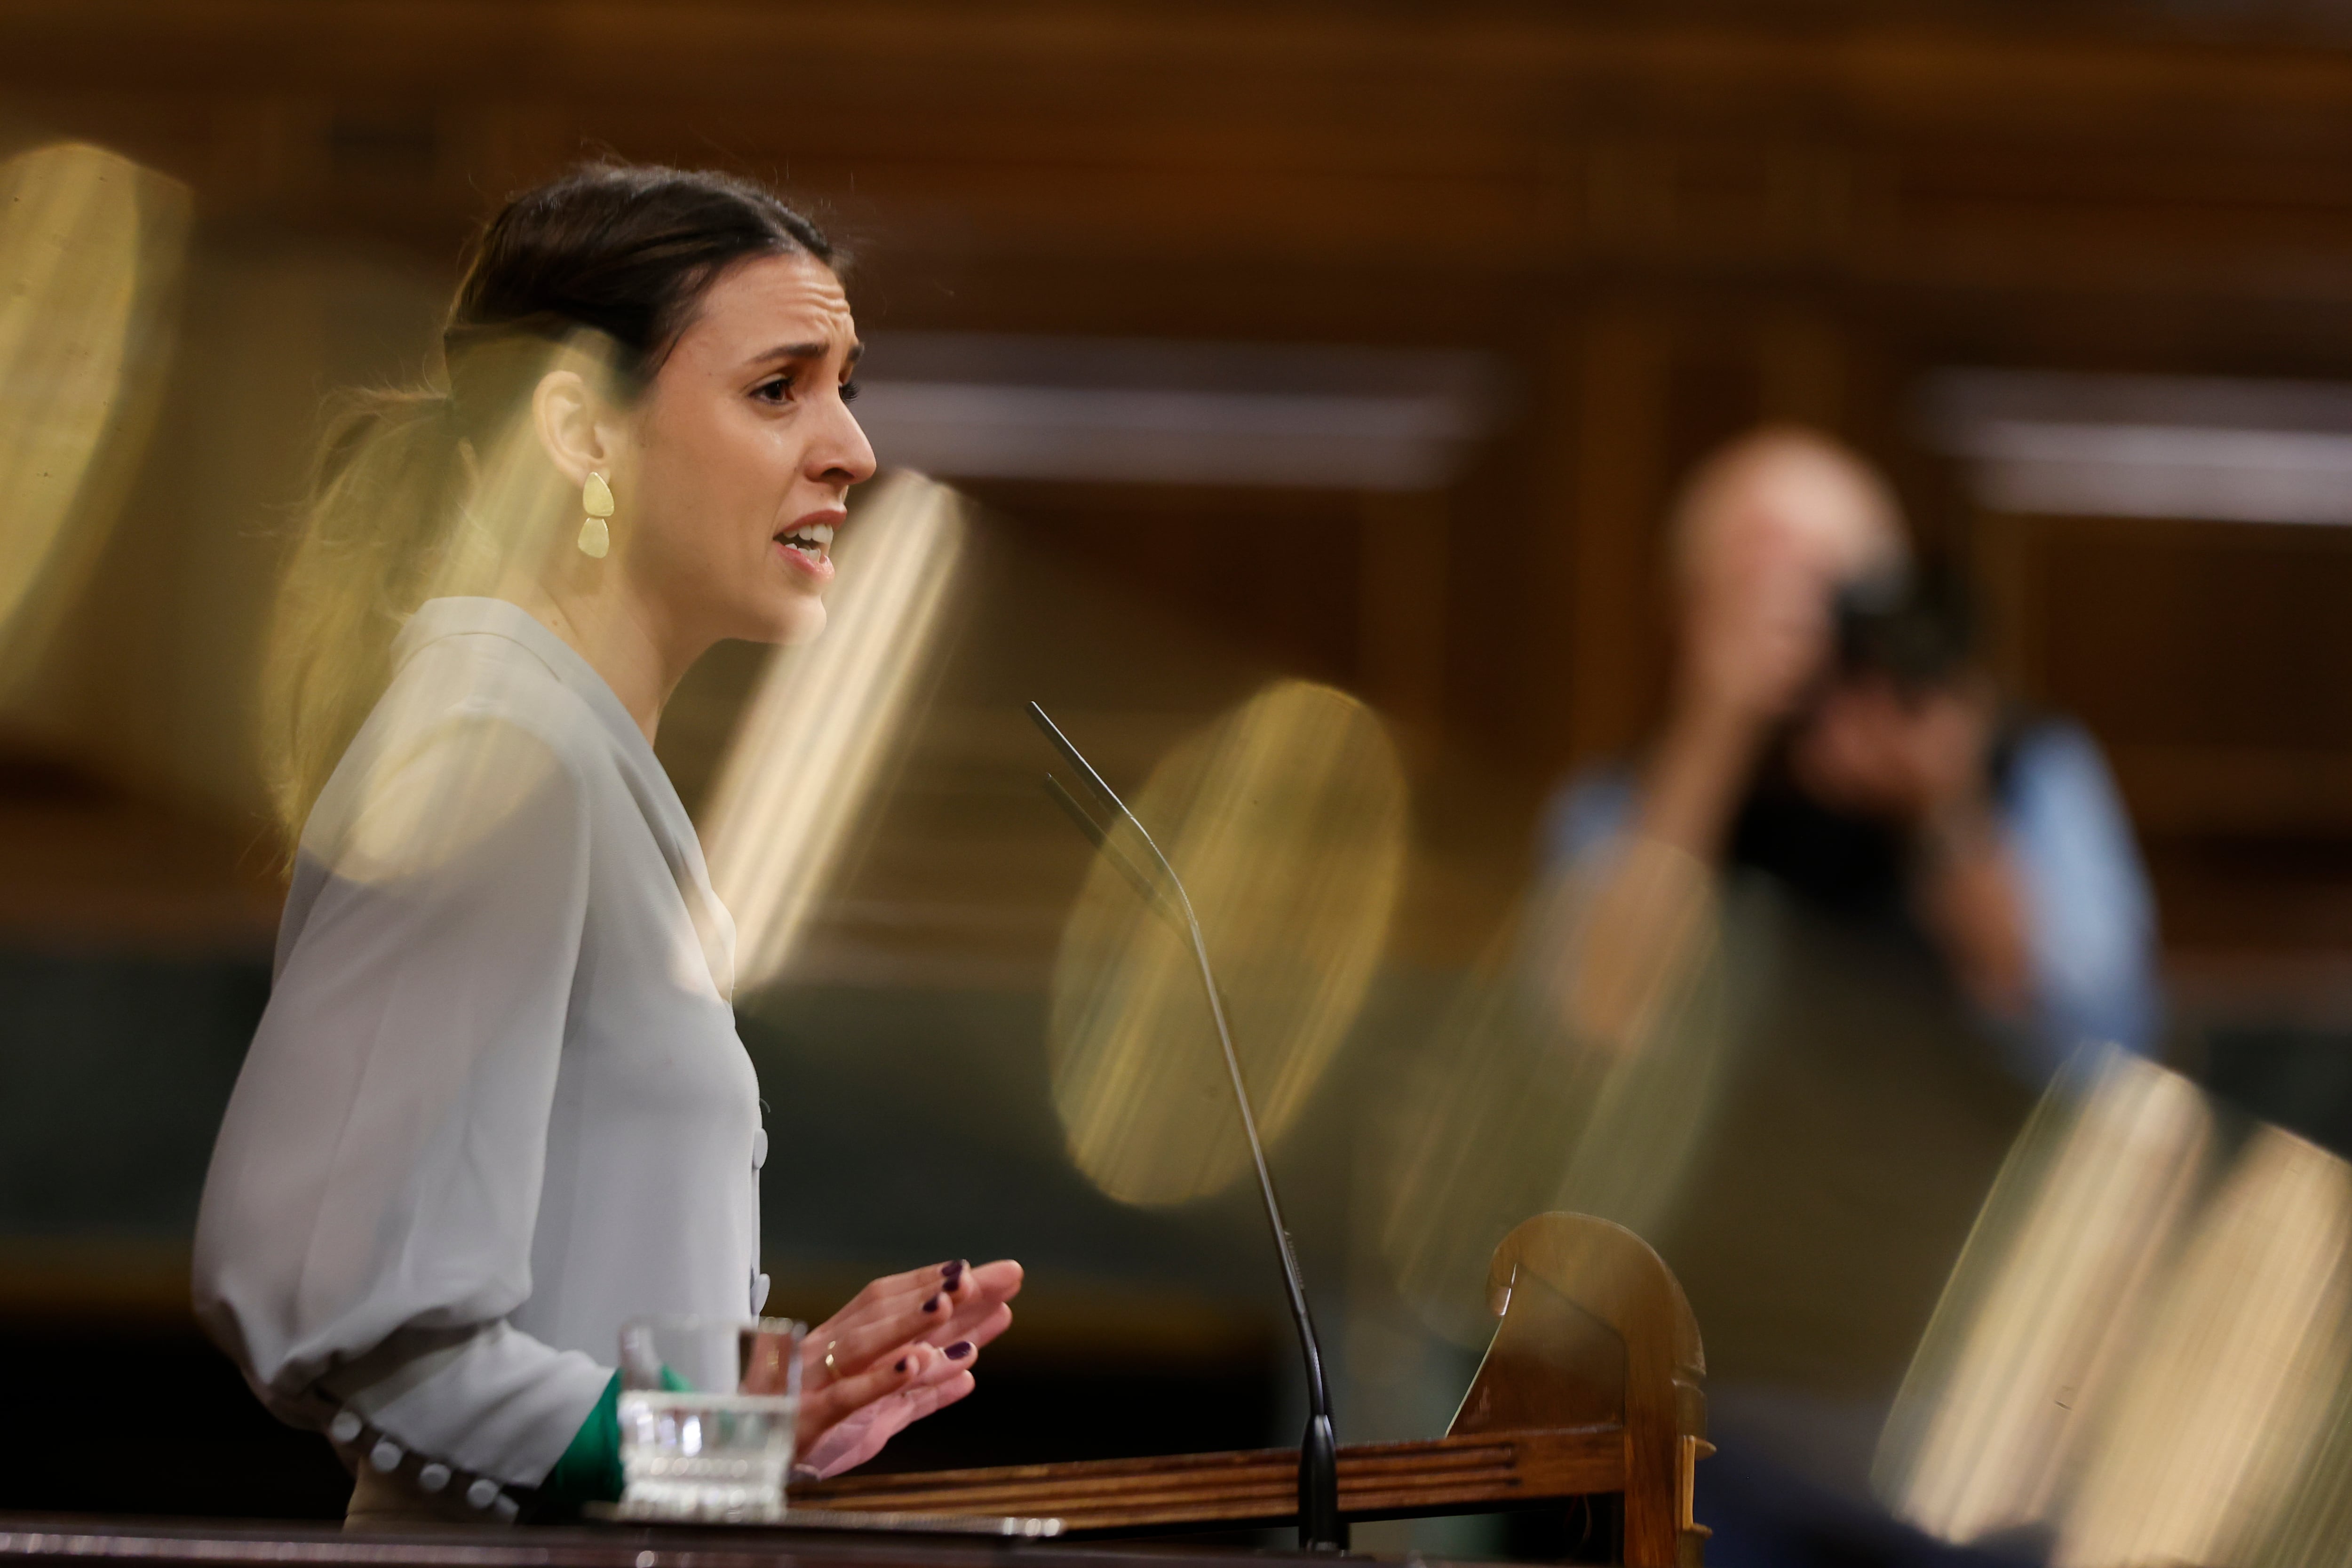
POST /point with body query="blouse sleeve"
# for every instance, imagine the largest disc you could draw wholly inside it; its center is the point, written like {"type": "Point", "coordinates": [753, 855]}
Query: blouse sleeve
{"type": "Point", "coordinates": [367, 1221]}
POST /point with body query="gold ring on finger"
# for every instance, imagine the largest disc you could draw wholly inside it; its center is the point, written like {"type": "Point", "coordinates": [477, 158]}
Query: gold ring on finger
{"type": "Point", "coordinates": [831, 1345]}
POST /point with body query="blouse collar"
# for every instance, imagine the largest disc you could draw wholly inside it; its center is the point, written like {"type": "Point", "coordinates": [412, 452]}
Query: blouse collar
{"type": "Point", "coordinates": [656, 795]}
{"type": "Point", "coordinates": [460, 616]}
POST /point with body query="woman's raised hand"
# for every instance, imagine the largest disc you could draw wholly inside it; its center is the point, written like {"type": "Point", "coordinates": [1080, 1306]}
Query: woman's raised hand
{"type": "Point", "coordinates": [901, 1349]}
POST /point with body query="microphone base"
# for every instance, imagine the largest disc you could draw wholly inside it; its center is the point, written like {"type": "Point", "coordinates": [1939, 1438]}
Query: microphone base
{"type": "Point", "coordinates": [1321, 1526]}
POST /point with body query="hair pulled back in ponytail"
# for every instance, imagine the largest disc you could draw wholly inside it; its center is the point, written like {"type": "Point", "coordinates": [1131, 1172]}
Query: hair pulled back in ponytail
{"type": "Point", "coordinates": [619, 253]}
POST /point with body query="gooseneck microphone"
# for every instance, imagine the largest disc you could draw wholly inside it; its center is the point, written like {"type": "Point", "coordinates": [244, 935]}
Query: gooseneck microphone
{"type": "Point", "coordinates": [1320, 1527]}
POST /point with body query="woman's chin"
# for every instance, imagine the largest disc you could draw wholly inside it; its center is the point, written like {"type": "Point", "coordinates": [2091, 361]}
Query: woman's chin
{"type": "Point", "coordinates": [802, 621]}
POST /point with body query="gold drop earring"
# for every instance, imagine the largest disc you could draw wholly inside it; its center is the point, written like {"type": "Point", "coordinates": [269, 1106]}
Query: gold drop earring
{"type": "Point", "coordinates": [596, 499]}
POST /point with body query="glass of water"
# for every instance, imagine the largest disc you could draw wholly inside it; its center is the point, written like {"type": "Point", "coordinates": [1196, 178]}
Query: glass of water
{"type": "Point", "coordinates": [707, 1413]}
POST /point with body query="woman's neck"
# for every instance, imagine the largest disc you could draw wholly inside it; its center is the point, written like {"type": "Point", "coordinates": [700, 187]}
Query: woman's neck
{"type": "Point", "coordinates": [622, 635]}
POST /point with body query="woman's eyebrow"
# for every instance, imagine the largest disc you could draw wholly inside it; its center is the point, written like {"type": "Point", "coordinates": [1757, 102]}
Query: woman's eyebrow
{"type": "Point", "coordinates": [806, 350]}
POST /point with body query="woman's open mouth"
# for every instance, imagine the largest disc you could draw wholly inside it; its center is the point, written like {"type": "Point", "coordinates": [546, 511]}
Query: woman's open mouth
{"type": "Point", "coordinates": [809, 546]}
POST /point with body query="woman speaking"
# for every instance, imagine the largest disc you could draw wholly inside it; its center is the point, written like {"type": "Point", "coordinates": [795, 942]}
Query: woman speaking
{"type": "Point", "coordinates": [497, 1104]}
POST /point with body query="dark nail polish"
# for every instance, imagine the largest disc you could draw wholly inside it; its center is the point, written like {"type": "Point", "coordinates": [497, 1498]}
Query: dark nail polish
{"type": "Point", "coordinates": [951, 1272]}
{"type": "Point", "coordinates": [959, 1349]}
{"type": "Point", "coordinates": [932, 1305]}
{"type": "Point", "coordinates": [901, 1366]}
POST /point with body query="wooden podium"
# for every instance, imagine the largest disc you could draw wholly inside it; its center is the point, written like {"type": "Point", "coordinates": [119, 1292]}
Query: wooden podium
{"type": "Point", "coordinates": [1591, 1386]}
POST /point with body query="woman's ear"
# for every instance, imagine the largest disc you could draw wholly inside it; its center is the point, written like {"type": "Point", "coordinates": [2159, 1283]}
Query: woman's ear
{"type": "Point", "coordinates": [574, 426]}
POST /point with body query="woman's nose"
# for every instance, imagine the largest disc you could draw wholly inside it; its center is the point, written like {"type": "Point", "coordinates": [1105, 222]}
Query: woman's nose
{"type": "Point", "coordinates": [843, 456]}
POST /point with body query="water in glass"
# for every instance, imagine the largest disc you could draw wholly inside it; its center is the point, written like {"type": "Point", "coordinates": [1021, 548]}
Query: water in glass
{"type": "Point", "coordinates": [695, 1442]}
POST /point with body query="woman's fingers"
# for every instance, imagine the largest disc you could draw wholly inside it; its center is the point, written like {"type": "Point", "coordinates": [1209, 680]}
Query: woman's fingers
{"type": "Point", "coordinates": [976, 1327]}
{"type": "Point", "coordinates": [953, 1358]}
{"type": "Point", "coordinates": [891, 1286]}
{"type": "Point", "coordinates": [944, 1288]}
{"type": "Point", "coordinates": [940, 1304]}
{"type": "Point", "coordinates": [877, 1323]}
{"type": "Point", "coordinates": [923, 1402]}
{"type": "Point", "coordinates": [893, 1296]}
{"type": "Point", "coordinates": [858, 1348]}
{"type": "Point", "coordinates": [843, 1396]}
{"type": "Point", "coordinates": [930, 1367]}
{"type": "Point", "coordinates": [990, 1286]}
{"type": "Point", "coordinates": [887, 1295]}
{"type": "Point", "coordinates": [875, 1366]}
{"type": "Point", "coordinates": [999, 1282]}
{"type": "Point", "coordinates": [861, 1437]}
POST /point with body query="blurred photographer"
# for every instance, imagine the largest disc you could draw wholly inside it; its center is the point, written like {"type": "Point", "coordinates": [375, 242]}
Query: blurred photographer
{"type": "Point", "coordinates": [1821, 948]}
{"type": "Point", "coordinates": [1831, 730]}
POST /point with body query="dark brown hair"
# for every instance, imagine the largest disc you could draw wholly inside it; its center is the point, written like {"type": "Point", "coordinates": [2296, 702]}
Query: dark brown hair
{"type": "Point", "coordinates": [624, 250]}
{"type": "Point", "coordinates": [620, 251]}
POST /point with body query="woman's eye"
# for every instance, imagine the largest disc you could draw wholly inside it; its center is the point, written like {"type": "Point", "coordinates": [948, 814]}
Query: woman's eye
{"type": "Point", "coordinates": [777, 390]}
{"type": "Point", "coordinates": [849, 392]}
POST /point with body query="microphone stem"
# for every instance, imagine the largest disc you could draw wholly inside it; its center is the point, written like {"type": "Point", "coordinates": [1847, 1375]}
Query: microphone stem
{"type": "Point", "coordinates": [1321, 1526]}
{"type": "Point", "coordinates": [1319, 1398]}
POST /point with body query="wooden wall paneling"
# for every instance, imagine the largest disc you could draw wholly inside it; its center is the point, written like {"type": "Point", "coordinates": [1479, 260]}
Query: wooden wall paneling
{"type": "Point", "coordinates": [1537, 695]}
{"type": "Point", "coordinates": [2016, 159]}
{"type": "Point", "coordinates": [1405, 594]}
{"type": "Point", "coordinates": [1694, 220]}
{"type": "Point", "coordinates": [2222, 635]}
{"type": "Point", "coordinates": [1999, 558]}
{"type": "Point", "coordinates": [1620, 364]}
{"type": "Point", "coordinates": [1801, 369]}
{"type": "Point", "coordinates": [2212, 660]}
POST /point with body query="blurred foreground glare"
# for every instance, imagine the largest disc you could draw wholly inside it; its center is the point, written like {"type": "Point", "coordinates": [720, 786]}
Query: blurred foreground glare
{"type": "Point", "coordinates": [806, 754]}
{"type": "Point", "coordinates": [1575, 1070]}
{"type": "Point", "coordinates": [480, 508]}
{"type": "Point", "coordinates": [2143, 1353]}
{"type": "Point", "coordinates": [1288, 822]}
{"type": "Point", "coordinates": [91, 250]}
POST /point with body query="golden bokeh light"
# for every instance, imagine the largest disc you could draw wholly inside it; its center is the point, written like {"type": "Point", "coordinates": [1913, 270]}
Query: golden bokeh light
{"type": "Point", "coordinates": [2143, 1355]}
{"type": "Point", "coordinates": [2315, 1528]}
{"type": "Point", "coordinates": [2225, 1397]}
{"type": "Point", "coordinates": [91, 247]}
{"type": "Point", "coordinates": [2025, 1344]}
{"type": "Point", "coordinates": [1287, 821]}
{"type": "Point", "coordinates": [806, 752]}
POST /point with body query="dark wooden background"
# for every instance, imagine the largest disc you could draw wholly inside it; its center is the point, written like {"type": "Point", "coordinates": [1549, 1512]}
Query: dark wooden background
{"type": "Point", "coordinates": [1667, 228]}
